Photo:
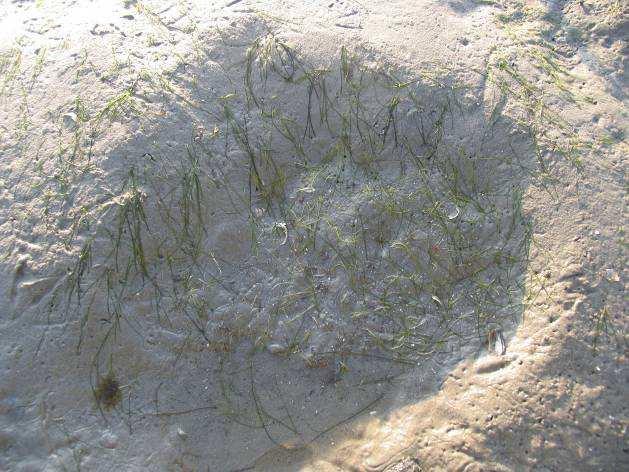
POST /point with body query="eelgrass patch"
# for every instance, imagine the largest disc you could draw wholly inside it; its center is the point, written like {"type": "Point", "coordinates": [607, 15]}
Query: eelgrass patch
{"type": "Point", "coordinates": [329, 224]}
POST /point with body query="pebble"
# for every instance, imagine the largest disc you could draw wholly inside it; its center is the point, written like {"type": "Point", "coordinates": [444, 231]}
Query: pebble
{"type": "Point", "coordinates": [276, 348]}
{"type": "Point", "coordinates": [612, 275]}
{"type": "Point", "coordinates": [109, 441]}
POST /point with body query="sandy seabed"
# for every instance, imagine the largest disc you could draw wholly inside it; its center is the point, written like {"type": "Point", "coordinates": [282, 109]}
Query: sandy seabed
{"type": "Point", "coordinates": [326, 235]}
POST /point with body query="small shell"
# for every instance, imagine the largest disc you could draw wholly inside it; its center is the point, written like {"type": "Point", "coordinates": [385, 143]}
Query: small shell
{"type": "Point", "coordinates": [453, 212]}
{"type": "Point", "coordinates": [69, 120]}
